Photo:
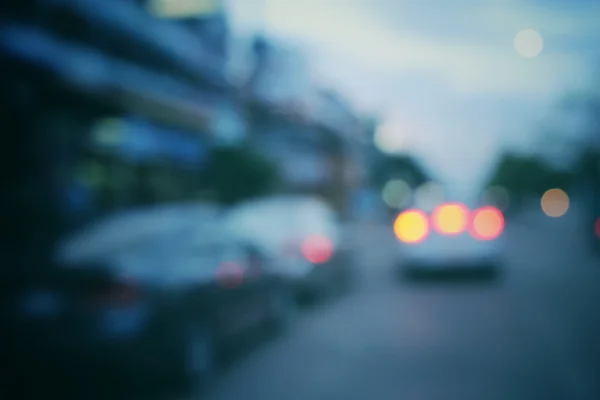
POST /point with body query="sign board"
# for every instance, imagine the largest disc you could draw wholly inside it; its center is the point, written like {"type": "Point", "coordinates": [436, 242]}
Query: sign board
{"type": "Point", "coordinates": [229, 126]}
{"type": "Point", "coordinates": [183, 8]}
{"type": "Point", "coordinates": [298, 164]}
{"type": "Point", "coordinates": [305, 168]}
{"type": "Point", "coordinates": [137, 139]}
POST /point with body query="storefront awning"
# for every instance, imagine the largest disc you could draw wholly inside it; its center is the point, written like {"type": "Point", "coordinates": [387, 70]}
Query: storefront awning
{"type": "Point", "coordinates": [137, 139]}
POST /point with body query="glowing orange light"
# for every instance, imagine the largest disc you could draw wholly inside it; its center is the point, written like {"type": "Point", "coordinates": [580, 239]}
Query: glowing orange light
{"type": "Point", "coordinates": [488, 223]}
{"type": "Point", "coordinates": [597, 228]}
{"type": "Point", "coordinates": [230, 274]}
{"type": "Point", "coordinates": [411, 226]}
{"type": "Point", "coordinates": [450, 219]}
{"type": "Point", "coordinates": [555, 203]}
{"type": "Point", "coordinates": [317, 249]}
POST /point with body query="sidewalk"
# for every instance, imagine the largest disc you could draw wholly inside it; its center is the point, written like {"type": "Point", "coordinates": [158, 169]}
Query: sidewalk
{"type": "Point", "coordinates": [560, 296]}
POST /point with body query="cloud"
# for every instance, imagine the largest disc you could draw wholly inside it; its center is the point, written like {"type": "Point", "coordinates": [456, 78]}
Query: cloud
{"type": "Point", "coordinates": [487, 21]}
{"type": "Point", "coordinates": [429, 56]}
{"type": "Point", "coordinates": [468, 66]}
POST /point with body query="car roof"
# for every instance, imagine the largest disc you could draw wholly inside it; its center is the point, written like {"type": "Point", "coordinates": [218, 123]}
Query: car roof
{"type": "Point", "coordinates": [284, 203]}
{"type": "Point", "coordinates": [128, 228]}
{"type": "Point", "coordinates": [275, 220]}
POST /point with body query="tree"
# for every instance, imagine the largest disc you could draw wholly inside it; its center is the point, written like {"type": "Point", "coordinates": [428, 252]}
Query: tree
{"type": "Point", "coordinates": [527, 175]}
{"type": "Point", "coordinates": [238, 173]}
{"type": "Point", "coordinates": [403, 167]}
{"type": "Point", "coordinates": [585, 105]}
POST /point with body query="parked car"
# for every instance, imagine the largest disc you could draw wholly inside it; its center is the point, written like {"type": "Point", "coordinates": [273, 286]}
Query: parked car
{"type": "Point", "coordinates": [594, 231]}
{"type": "Point", "coordinates": [304, 235]}
{"type": "Point", "coordinates": [594, 218]}
{"type": "Point", "coordinates": [159, 293]}
{"type": "Point", "coordinates": [453, 240]}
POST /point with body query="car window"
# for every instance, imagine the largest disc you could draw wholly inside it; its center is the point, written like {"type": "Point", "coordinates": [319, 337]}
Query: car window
{"type": "Point", "coordinates": [274, 224]}
{"type": "Point", "coordinates": [252, 251]}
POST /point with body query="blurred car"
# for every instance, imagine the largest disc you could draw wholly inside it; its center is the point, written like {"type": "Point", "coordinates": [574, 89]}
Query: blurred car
{"type": "Point", "coordinates": [594, 218]}
{"type": "Point", "coordinates": [158, 294]}
{"type": "Point", "coordinates": [595, 235]}
{"type": "Point", "coordinates": [452, 239]}
{"type": "Point", "coordinates": [304, 235]}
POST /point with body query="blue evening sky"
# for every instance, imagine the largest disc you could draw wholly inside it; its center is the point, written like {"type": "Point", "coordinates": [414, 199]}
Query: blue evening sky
{"type": "Point", "coordinates": [443, 74]}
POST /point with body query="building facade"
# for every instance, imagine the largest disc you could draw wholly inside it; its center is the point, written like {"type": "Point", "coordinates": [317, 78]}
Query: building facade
{"type": "Point", "coordinates": [111, 108]}
{"type": "Point", "coordinates": [312, 135]}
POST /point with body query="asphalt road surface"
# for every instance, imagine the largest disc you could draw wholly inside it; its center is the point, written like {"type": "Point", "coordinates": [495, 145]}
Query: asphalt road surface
{"type": "Point", "coordinates": [535, 335]}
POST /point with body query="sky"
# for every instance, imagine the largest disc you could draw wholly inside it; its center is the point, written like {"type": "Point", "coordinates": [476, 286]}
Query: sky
{"type": "Point", "coordinates": [443, 75]}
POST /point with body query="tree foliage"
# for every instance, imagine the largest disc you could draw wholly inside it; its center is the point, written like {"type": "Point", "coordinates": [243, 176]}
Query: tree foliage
{"type": "Point", "coordinates": [238, 173]}
{"type": "Point", "coordinates": [399, 166]}
{"type": "Point", "coordinates": [525, 175]}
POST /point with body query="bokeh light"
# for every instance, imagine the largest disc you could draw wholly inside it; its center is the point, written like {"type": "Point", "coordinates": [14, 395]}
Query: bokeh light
{"type": "Point", "coordinates": [555, 203]}
{"type": "Point", "coordinates": [450, 219]}
{"type": "Point", "coordinates": [488, 223]}
{"type": "Point", "coordinates": [108, 132]}
{"type": "Point", "coordinates": [396, 193]}
{"type": "Point", "coordinates": [497, 196]}
{"type": "Point", "coordinates": [388, 139]}
{"type": "Point", "coordinates": [180, 9]}
{"type": "Point", "coordinates": [528, 43]}
{"type": "Point", "coordinates": [597, 227]}
{"type": "Point", "coordinates": [428, 196]}
{"type": "Point", "coordinates": [317, 249]}
{"type": "Point", "coordinates": [411, 226]}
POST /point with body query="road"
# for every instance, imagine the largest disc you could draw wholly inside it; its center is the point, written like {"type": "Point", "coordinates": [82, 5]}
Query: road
{"type": "Point", "coordinates": [533, 336]}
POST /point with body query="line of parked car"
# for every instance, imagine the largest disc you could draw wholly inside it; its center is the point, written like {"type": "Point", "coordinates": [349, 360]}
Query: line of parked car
{"type": "Point", "coordinates": [162, 293]}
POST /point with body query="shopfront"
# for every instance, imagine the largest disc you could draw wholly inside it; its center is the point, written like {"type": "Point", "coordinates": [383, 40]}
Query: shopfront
{"type": "Point", "coordinates": [130, 162]}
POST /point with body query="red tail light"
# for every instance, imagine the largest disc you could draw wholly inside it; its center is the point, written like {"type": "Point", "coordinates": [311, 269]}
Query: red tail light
{"type": "Point", "coordinates": [450, 219]}
{"type": "Point", "coordinates": [597, 227]}
{"type": "Point", "coordinates": [230, 274]}
{"type": "Point", "coordinates": [411, 226]}
{"type": "Point", "coordinates": [487, 223]}
{"type": "Point", "coordinates": [317, 249]}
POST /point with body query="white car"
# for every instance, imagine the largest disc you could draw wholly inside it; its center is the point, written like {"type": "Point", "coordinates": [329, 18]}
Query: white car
{"type": "Point", "coordinates": [303, 234]}
{"type": "Point", "coordinates": [452, 238]}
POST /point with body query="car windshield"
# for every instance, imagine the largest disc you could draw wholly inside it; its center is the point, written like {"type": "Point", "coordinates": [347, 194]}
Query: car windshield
{"type": "Point", "coordinates": [278, 221]}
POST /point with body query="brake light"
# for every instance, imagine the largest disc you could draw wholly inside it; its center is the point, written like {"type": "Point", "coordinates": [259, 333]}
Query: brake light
{"type": "Point", "coordinates": [317, 249]}
{"type": "Point", "coordinates": [487, 223]}
{"type": "Point", "coordinates": [230, 274]}
{"type": "Point", "coordinates": [411, 226]}
{"type": "Point", "coordinates": [450, 218]}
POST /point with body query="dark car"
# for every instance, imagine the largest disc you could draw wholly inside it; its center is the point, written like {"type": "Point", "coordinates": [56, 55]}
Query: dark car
{"type": "Point", "coordinates": [594, 209]}
{"type": "Point", "coordinates": [157, 294]}
{"type": "Point", "coordinates": [595, 232]}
